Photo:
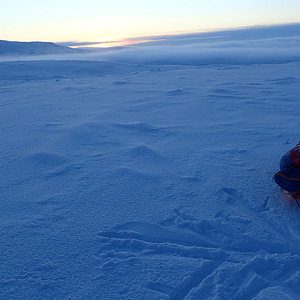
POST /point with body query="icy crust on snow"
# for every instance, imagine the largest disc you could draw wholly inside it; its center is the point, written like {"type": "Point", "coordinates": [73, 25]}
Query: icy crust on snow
{"type": "Point", "coordinates": [147, 182]}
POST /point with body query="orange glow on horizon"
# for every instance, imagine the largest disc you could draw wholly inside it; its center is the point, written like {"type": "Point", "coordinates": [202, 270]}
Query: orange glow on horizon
{"type": "Point", "coordinates": [109, 43]}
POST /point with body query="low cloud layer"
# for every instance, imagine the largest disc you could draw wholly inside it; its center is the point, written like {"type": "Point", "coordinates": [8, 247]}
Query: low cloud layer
{"type": "Point", "coordinates": [273, 44]}
{"type": "Point", "coordinates": [220, 53]}
{"type": "Point", "coordinates": [276, 44]}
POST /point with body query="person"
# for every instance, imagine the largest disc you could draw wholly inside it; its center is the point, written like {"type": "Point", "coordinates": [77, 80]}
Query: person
{"type": "Point", "coordinates": [291, 158]}
{"type": "Point", "coordinates": [288, 178]}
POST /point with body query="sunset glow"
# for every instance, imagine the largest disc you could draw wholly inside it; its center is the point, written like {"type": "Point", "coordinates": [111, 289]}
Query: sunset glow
{"type": "Point", "coordinates": [67, 21]}
{"type": "Point", "coordinates": [108, 43]}
{"type": "Point", "coordinates": [144, 149]}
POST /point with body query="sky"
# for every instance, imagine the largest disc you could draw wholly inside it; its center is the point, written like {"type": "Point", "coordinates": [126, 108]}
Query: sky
{"type": "Point", "coordinates": [102, 20]}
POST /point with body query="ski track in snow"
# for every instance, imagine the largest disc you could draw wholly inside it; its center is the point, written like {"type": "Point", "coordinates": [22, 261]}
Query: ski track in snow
{"type": "Point", "coordinates": [224, 245]}
{"type": "Point", "coordinates": [148, 183]}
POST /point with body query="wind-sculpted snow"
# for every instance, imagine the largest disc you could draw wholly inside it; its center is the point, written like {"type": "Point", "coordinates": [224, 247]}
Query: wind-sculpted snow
{"type": "Point", "coordinates": [226, 264]}
{"type": "Point", "coordinates": [49, 69]}
{"type": "Point", "coordinates": [147, 182]}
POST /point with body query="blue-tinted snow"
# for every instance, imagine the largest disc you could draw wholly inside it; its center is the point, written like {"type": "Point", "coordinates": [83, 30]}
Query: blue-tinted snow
{"type": "Point", "coordinates": [147, 182]}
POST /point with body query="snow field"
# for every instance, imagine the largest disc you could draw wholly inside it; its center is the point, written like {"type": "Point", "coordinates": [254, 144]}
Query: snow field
{"type": "Point", "coordinates": [147, 182]}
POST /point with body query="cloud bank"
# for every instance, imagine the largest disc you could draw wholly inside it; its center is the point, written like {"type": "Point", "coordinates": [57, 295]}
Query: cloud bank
{"type": "Point", "coordinates": [276, 44]}
{"type": "Point", "coordinates": [258, 45]}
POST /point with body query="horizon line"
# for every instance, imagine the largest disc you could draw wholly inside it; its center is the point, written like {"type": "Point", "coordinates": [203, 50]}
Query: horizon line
{"type": "Point", "coordinates": [133, 40]}
{"type": "Point", "coordinates": [137, 39]}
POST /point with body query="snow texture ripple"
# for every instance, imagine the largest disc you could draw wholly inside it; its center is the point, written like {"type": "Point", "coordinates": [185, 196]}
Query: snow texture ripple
{"type": "Point", "coordinates": [147, 182]}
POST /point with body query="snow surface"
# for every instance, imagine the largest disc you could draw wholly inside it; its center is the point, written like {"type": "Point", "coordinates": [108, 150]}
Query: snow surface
{"type": "Point", "coordinates": [147, 182]}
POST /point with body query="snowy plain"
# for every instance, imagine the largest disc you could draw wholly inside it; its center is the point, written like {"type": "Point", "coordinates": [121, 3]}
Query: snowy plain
{"type": "Point", "coordinates": [124, 180]}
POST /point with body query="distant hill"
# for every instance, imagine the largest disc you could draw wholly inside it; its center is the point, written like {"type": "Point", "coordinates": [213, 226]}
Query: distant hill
{"type": "Point", "coordinates": [8, 48]}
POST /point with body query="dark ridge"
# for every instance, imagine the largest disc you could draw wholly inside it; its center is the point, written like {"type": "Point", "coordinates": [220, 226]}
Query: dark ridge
{"type": "Point", "coordinates": [33, 48]}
